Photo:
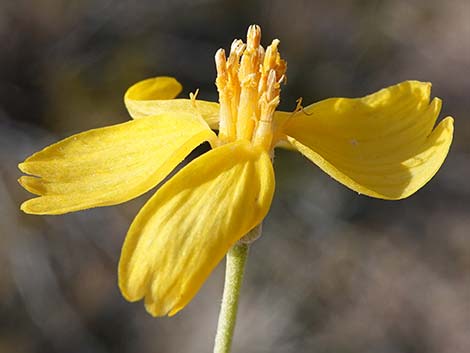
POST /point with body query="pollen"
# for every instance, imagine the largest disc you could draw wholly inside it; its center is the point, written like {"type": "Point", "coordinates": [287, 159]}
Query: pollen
{"type": "Point", "coordinates": [249, 82]}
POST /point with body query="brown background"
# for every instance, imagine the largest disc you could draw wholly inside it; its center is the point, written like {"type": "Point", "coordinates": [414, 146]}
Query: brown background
{"type": "Point", "coordinates": [333, 272]}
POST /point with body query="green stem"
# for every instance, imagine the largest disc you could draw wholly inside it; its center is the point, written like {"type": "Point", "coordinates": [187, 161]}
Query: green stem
{"type": "Point", "coordinates": [236, 259]}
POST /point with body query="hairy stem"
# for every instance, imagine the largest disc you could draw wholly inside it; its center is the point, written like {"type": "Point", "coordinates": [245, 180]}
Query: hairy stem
{"type": "Point", "coordinates": [236, 259]}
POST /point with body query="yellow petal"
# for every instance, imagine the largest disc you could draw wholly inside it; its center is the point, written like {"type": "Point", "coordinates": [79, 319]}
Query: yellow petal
{"type": "Point", "coordinates": [279, 137]}
{"type": "Point", "coordinates": [381, 145]}
{"type": "Point", "coordinates": [154, 96]}
{"type": "Point", "coordinates": [154, 88]}
{"type": "Point", "coordinates": [187, 227]}
{"type": "Point", "coordinates": [109, 165]}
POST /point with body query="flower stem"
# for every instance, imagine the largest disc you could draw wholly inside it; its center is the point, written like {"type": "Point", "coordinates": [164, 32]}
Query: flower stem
{"type": "Point", "coordinates": [236, 259]}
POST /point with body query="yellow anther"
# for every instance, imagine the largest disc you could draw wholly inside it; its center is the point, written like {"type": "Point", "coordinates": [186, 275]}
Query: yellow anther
{"type": "Point", "coordinates": [299, 106]}
{"type": "Point", "coordinates": [193, 96]}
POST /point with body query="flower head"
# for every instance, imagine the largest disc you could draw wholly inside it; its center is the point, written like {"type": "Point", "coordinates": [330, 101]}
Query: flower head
{"type": "Point", "coordinates": [383, 145]}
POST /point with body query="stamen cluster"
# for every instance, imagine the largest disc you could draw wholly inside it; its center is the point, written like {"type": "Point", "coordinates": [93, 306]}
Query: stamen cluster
{"type": "Point", "coordinates": [248, 82]}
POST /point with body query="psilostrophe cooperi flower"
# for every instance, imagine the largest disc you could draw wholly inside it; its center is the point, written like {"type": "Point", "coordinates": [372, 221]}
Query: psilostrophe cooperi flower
{"type": "Point", "coordinates": [383, 145]}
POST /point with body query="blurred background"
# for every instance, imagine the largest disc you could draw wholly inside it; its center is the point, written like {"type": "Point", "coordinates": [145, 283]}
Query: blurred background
{"type": "Point", "coordinates": [333, 272]}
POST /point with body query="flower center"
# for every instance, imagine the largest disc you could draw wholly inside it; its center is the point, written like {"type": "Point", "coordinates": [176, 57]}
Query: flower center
{"type": "Point", "coordinates": [248, 82]}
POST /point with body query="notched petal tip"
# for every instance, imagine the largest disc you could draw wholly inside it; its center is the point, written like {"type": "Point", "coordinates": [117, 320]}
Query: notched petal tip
{"type": "Point", "coordinates": [22, 167]}
{"type": "Point", "coordinates": [24, 208]}
{"type": "Point", "coordinates": [31, 184]}
{"type": "Point", "coordinates": [448, 122]}
{"type": "Point", "coordinates": [34, 207]}
{"type": "Point", "coordinates": [426, 163]}
{"type": "Point", "coordinates": [174, 311]}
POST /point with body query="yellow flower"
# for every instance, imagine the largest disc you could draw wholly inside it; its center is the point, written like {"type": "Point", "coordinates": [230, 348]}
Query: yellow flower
{"type": "Point", "coordinates": [382, 145]}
